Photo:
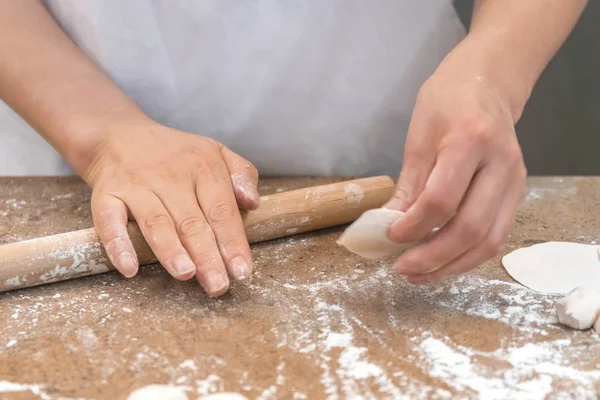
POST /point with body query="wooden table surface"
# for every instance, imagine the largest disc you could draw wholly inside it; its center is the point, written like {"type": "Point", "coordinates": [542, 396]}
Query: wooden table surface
{"type": "Point", "coordinates": [314, 322]}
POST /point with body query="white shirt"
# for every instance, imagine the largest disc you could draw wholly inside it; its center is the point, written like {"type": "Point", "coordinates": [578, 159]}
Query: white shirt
{"type": "Point", "coordinates": [298, 87]}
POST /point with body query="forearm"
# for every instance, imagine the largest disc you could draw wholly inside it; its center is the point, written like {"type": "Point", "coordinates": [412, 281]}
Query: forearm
{"type": "Point", "coordinates": [54, 86]}
{"type": "Point", "coordinates": [514, 40]}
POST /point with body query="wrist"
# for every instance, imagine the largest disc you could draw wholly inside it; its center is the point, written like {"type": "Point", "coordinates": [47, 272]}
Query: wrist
{"type": "Point", "coordinates": [501, 67]}
{"type": "Point", "coordinates": [95, 142]}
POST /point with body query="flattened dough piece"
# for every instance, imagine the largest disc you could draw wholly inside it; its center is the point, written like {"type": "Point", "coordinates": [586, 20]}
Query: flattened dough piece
{"type": "Point", "coordinates": [367, 236]}
{"type": "Point", "coordinates": [555, 267]}
{"type": "Point", "coordinates": [580, 309]}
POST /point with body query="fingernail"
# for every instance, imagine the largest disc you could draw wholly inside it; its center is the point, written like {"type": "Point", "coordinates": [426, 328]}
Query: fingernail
{"type": "Point", "coordinates": [240, 268]}
{"type": "Point", "coordinates": [183, 265]}
{"type": "Point", "coordinates": [215, 282]}
{"type": "Point", "coordinates": [397, 233]}
{"type": "Point", "coordinates": [128, 265]}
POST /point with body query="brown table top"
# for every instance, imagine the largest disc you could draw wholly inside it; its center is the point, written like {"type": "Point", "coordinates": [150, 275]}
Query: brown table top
{"type": "Point", "coordinates": [314, 321]}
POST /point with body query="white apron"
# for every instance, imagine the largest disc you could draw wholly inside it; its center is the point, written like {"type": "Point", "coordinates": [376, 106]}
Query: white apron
{"type": "Point", "coordinates": [298, 87]}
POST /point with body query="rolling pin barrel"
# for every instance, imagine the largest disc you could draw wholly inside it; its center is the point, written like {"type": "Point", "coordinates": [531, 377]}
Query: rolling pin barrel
{"type": "Point", "coordinates": [80, 253]}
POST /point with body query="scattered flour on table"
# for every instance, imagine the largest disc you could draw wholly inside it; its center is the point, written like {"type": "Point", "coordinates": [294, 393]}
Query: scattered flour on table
{"type": "Point", "coordinates": [537, 193]}
{"type": "Point", "coordinates": [16, 204]}
{"type": "Point", "coordinates": [61, 196]}
{"type": "Point", "coordinates": [36, 390]}
{"type": "Point", "coordinates": [332, 330]}
{"type": "Point", "coordinates": [526, 364]}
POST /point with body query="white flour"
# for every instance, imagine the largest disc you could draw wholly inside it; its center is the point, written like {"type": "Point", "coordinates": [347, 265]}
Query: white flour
{"type": "Point", "coordinates": [529, 371]}
{"type": "Point", "coordinates": [37, 390]}
{"type": "Point", "coordinates": [328, 323]}
{"type": "Point", "coordinates": [560, 190]}
{"type": "Point", "coordinates": [354, 193]}
{"type": "Point", "coordinates": [78, 260]}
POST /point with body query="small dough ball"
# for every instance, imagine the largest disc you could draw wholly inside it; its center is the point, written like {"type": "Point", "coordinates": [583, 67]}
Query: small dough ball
{"type": "Point", "coordinates": [224, 396]}
{"type": "Point", "coordinates": [159, 392]}
{"type": "Point", "coordinates": [580, 309]}
{"type": "Point", "coordinates": [367, 236]}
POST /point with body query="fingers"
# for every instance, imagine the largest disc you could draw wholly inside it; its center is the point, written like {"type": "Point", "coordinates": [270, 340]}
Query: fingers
{"type": "Point", "coordinates": [414, 173]}
{"type": "Point", "coordinates": [492, 243]}
{"type": "Point", "coordinates": [468, 228]}
{"type": "Point", "coordinates": [441, 197]}
{"type": "Point", "coordinates": [418, 161]}
{"type": "Point", "coordinates": [244, 178]}
{"type": "Point", "coordinates": [198, 239]}
{"type": "Point", "coordinates": [110, 220]}
{"type": "Point", "coordinates": [159, 231]}
{"type": "Point", "coordinates": [218, 203]}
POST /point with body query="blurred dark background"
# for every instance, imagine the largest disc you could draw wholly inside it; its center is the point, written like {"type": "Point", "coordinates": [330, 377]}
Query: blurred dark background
{"type": "Point", "coordinates": [560, 129]}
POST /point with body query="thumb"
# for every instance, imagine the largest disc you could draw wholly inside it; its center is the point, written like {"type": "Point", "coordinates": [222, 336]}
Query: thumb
{"type": "Point", "coordinates": [416, 168]}
{"type": "Point", "coordinates": [244, 178]}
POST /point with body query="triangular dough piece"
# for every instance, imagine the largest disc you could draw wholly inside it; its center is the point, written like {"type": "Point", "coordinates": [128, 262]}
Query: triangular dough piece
{"type": "Point", "coordinates": [367, 236]}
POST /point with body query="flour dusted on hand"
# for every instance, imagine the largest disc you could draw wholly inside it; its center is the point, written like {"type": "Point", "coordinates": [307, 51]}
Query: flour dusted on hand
{"type": "Point", "coordinates": [555, 267]}
{"type": "Point", "coordinates": [368, 235]}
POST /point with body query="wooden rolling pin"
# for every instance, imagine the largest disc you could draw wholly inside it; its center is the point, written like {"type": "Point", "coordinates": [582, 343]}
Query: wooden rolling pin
{"type": "Point", "coordinates": [80, 253]}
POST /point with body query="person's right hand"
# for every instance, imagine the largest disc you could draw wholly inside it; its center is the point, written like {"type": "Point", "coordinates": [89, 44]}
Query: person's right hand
{"type": "Point", "coordinates": [184, 191]}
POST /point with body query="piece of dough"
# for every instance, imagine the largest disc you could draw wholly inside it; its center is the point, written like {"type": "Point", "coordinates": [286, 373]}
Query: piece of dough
{"type": "Point", "coordinates": [224, 396]}
{"type": "Point", "coordinates": [367, 236]}
{"type": "Point", "coordinates": [555, 267]}
{"type": "Point", "coordinates": [597, 326]}
{"type": "Point", "coordinates": [580, 309]}
{"type": "Point", "coordinates": [159, 392]}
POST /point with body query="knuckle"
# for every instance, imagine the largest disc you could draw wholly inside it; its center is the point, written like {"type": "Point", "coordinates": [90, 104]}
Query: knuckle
{"type": "Point", "coordinates": [106, 218]}
{"type": "Point", "coordinates": [205, 168]}
{"type": "Point", "coordinates": [492, 246]}
{"type": "Point", "coordinates": [252, 171]}
{"type": "Point", "coordinates": [210, 142]}
{"type": "Point", "coordinates": [247, 169]}
{"type": "Point", "coordinates": [221, 211]}
{"type": "Point", "coordinates": [403, 192]}
{"type": "Point", "coordinates": [513, 157]}
{"type": "Point", "coordinates": [169, 174]}
{"type": "Point", "coordinates": [521, 169]}
{"type": "Point", "coordinates": [116, 245]}
{"type": "Point", "coordinates": [109, 223]}
{"type": "Point", "coordinates": [205, 260]}
{"type": "Point", "coordinates": [413, 153]}
{"type": "Point", "coordinates": [473, 230]}
{"type": "Point", "coordinates": [425, 90]}
{"type": "Point", "coordinates": [440, 204]}
{"type": "Point", "coordinates": [478, 129]}
{"type": "Point", "coordinates": [193, 225]}
{"type": "Point", "coordinates": [523, 172]}
{"type": "Point", "coordinates": [157, 221]}
{"type": "Point", "coordinates": [227, 243]}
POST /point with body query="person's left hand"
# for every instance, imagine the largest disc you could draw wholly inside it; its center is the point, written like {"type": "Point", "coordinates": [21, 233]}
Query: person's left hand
{"type": "Point", "coordinates": [462, 164]}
